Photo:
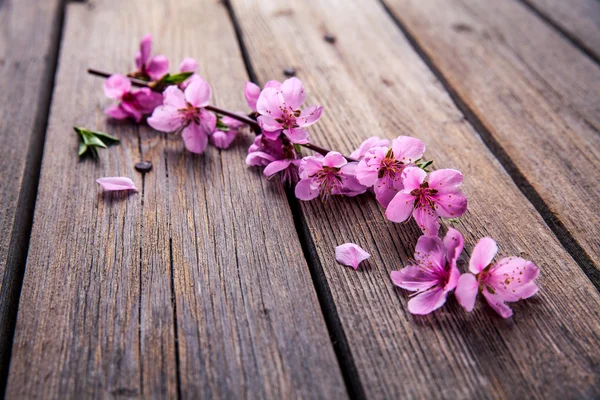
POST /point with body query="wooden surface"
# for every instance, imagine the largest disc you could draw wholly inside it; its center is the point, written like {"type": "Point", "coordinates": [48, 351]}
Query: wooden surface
{"type": "Point", "coordinates": [536, 98]}
{"type": "Point", "coordinates": [578, 19]}
{"type": "Point", "coordinates": [164, 291]}
{"type": "Point", "coordinates": [27, 58]}
{"type": "Point", "coordinates": [390, 347]}
{"type": "Point", "coordinates": [212, 282]}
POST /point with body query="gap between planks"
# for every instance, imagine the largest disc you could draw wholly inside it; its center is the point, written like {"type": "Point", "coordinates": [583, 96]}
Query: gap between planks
{"type": "Point", "coordinates": [19, 242]}
{"type": "Point", "coordinates": [565, 238]}
{"type": "Point", "coordinates": [328, 309]}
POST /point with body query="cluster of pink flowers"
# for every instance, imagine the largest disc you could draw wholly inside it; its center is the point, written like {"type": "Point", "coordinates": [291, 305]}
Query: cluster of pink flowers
{"type": "Point", "coordinates": [393, 171]}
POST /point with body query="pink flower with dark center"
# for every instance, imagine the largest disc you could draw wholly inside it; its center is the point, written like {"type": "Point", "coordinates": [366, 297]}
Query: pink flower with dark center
{"type": "Point", "coordinates": [132, 103]}
{"type": "Point", "coordinates": [381, 167]}
{"type": "Point", "coordinates": [428, 197]}
{"type": "Point", "coordinates": [279, 109]}
{"type": "Point", "coordinates": [510, 279]}
{"type": "Point", "coordinates": [435, 273]}
{"type": "Point", "coordinates": [185, 112]}
{"type": "Point", "coordinates": [149, 68]}
{"type": "Point", "coordinates": [326, 176]}
{"type": "Point", "coordinates": [368, 144]}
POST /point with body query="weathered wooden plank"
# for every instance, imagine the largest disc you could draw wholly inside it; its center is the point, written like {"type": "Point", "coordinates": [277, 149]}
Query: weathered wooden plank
{"type": "Point", "coordinates": [196, 285]}
{"type": "Point", "coordinates": [536, 96]}
{"type": "Point", "coordinates": [27, 60]}
{"type": "Point", "coordinates": [370, 81]}
{"type": "Point", "coordinates": [579, 19]}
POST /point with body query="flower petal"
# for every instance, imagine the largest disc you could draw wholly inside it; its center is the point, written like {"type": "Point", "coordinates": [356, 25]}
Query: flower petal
{"type": "Point", "coordinates": [157, 67]}
{"type": "Point", "coordinates": [350, 254]}
{"type": "Point", "coordinates": [251, 92]}
{"type": "Point", "coordinates": [297, 135]}
{"type": "Point", "coordinates": [513, 279]}
{"type": "Point", "coordinates": [414, 278]}
{"type": "Point", "coordinates": [497, 303]}
{"type": "Point", "coordinates": [195, 138]}
{"type": "Point", "coordinates": [293, 93]}
{"type": "Point", "coordinates": [412, 177]}
{"type": "Point", "coordinates": [427, 302]}
{"type": "Point", "coordinates": [386, 189]}
{"type": "Point", "coordinates": [258, 159]}
{"type": "Point", "coordinates": [305, 191]}
{"type": "Point", "coordinates": [146, 100]}
{"type": "Point", "coordinates": [166, 119]}
{"type": "Point", "coordinates": [115, 111]}
{"type": "Point", "coordinates": [430, 252]}
{"type": "Point", "coordinates": [188, 65]}
{"type": "Point", "coordinates": [450, 205]}
{"type": "Point", "coordinates": [401, 207]}
{"type": "Point", "coordinates": [367, 171]}
{"type": "Point", "coordinates": [466, 291]}
{"type": "Point", "coordinates": [483, 254]}
{"type": "Point", "coordinates": [116, 183]}
{"type": "Point", "coordinates": [276, 166]}
{"type": "Point", "coordinates": [445, 180]}
{"type": "Point", "coordinates": [427, 220]}
{"type": "Point", "coordinates": [373, 141]}
{"type": "Point", "coordinates": [198, 93]}
{"type": "Point", "coordinates": [116, 86]}
{"type": "Point", "coordinates": [269, 103]}
{"type": "Point", "coordinates": [174, 97]}
{"type": "Point", "coordinates": [221, 139]}
{"type": "Point", "coordinates": [333, 159]}
{"type": "Point", "coordinates": [454, 243]}
{"type": "Point", "coordinates": [145, 49]}
{"type": "Point", "coordinates": [309, 116]}
{"type": "Point", "coordinates": [407, 149]}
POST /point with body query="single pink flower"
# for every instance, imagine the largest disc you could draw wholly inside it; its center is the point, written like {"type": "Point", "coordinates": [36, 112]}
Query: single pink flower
{"type": "Point", "coordinates": [279, 109]}
{"type": "Point", "coordinates": [350, 254]}
{"type": "Point", "coordinates": [381, 167]}
{"type": "Point", "coordinates": [186, 112]}
{"type": "Point", "coordinates": [152, 68]}
{"type": "Point", "coordinates": [132, 104]}
{"type": "Point", "coordinates": [223, 139]}
{"type": "Point", "coordinates": [116, 183]}
{"type": "Point", "coordinates": [510, 279]}
{"type": "Point", "coordinates": [326, 176]}
{"type": "Point", "coordinates": [435, 273]}
{"type": "Point", "coordinates": [373, 141]}
{"type": "Point", "coordinates": [428, 197]}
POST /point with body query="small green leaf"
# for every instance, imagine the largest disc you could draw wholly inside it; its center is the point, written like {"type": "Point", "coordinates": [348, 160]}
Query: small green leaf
{"type": "Point", "coordinates": [105, 137]}
{"type": "Point", "coordinates": [222, 126]}
{"type": "Point", "coordinates": [175, 79]}
{"type": "Point", "coordinates": [90, 140]}
{"type": "Point", "coordinates": [426, 164]}
{"type": "Point", "coordinates": [453, 220]}
{"type": "Point", "coordinates": [82, 149]}
{"type": "Point", "coordinates": [298, 148]}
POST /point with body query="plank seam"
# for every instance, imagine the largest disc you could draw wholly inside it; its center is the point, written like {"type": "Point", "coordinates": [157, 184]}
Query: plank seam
{"type": "Point", "coordinates": [557, 227]}
{"type": "Point", "coordinates": [576, 42]}
{"type": "Point", "coordinates": [19, 242]}
{"type": "Point", "coordinates": [333, 323]}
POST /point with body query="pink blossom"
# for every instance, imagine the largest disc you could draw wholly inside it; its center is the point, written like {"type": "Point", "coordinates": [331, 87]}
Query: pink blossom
{"type": "Point", "coordinates": [116, 183]}
{"type": "Point", "coordinates": [373, 141]}
{"type": "Point", "coordinates": [510, 279]}
{"type": "Point", "coordinates": [325, 176]}
{"type": "Point", "coordinates": [435, 273]}
{"type": "Point", "coordinates": [381, 167]}
{"type": "Point", "coordinates": [350, 254]}
{"type": "Point", "coordinates": [223, 139]}
{"type": "Point", "coordinates": [152, 68]}
{"type": "Point", "coordinates": [279, 109]}
{"type": "Point", "coordinates": [132, 103]}
{"type": "Point", "coordinates": [264, 151]}
{"type": "Point", "coordinates": [428, 197]}
{"type": "Point", "coordinates": [185, 111]}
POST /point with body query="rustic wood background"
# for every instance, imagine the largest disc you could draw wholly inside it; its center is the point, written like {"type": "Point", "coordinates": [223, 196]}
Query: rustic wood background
{"type": "Point", "coordinates": [212, 282]}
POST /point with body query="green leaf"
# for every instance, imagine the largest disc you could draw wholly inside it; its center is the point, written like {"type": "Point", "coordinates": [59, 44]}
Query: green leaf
{"type": "Point", "coordinates": [426, 164]}
{"type": "Point", "coordinates": [298, 148]}
{"type": "Point", "coordinates": [90, 140]}
{"type": "Point", "coordinates": [82, 149]}
{"type": "Point", "coordinates": [175, 79]}
{"type": "Point", "coordinates": [453, 220]}
{"type": "Point", "coordinates": [105, 137]}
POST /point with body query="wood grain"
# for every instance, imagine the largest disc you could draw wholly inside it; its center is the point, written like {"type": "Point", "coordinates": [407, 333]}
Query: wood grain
{"type": "Point", "coordinates": [371, 81]}
{"type": "Point", "coordinates": [536, 97]}
{"type": "Point", "coordinates": [196, 286]}
{"type": "Point", "coordinates": [579, 19]}
{"type": "Point", "coordinates": [27, 60]}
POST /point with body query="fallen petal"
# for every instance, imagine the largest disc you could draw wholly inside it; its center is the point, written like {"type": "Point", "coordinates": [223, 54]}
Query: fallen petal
{"type": "Point", "coordinates": [116, 183]}
{"type": "Point", "coordinates": [350, 254]}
